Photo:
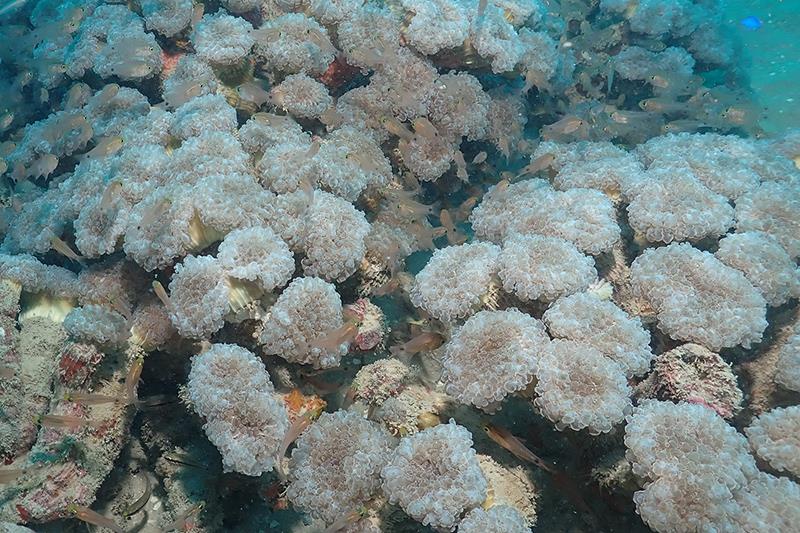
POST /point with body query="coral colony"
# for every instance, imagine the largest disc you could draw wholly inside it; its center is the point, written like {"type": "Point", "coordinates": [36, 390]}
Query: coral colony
{"type": "Point", "coordinates": [384, 266]}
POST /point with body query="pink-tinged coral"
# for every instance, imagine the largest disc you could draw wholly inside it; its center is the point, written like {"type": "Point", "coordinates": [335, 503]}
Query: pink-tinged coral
{"type": "Point", "coordinates": [371, 327]}
{"type": "Point", "coordinates": [378, 381]}
{"type": "Point", "coordinates": [76, 363]}
{"type": "Point", "coordinates": [693, 374]}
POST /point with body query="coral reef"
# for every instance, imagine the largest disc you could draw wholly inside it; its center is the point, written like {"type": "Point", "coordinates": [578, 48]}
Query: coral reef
{"type": "Point", "coordinates": [345, 265]}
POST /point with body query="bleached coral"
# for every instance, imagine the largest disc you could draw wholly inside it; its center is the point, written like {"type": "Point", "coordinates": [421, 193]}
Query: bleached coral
{"type": "Point", "coordinates": [578, 387]}
{"type": "Point", "coordinates": [336, 465]}
{"type": "Point", "coordinates": [637, 63]}
{"type": "Point", "coordinates": [672, 205]}
{"type": "Point", "coordinates": [693, 464]}
{"type": "Point", "coordinates": [369, 35]}
{"type": "Point", "coordinates": [775, 437]}
{"type": "Point", "coordinates": [768, 503]}
{"type": "Point", "coordinates": [435, 25]}
{"type": "Point", "coordinates": [773, 208]}
{"type": "Point", "coordinates": [586, 318]}
{"type": "Point", "coordinates": [246, 428]}
{"type": "Point", "coordinates": [167, 17]}
{"type": "Point", "coordinates": [304, 312]}
{"type": "Point", "coordinates": [199, 296]}
{"type": "Point", "coordinates": [726, 164]}
{"type": "Point", "coordinates": [496, 40]}
{"type": "Point", "coordinates": [459, 106]}
{"type": "Point", "coordinates": [497, 519]}
{"type": "Point", "coordinates": [301, 96]}
{"type": "Point", "coordinates": [584, 217]}
{"type": "Point", "coordinates": [257, 254]}
{"type": "Point", "coordinates": [663, 437]}
{"type": "Point", "coordinates": [534, 267]}
{"type": "Point", "coordinates": [434, 476]}
{"type": "Point", "coordinates": [293, 43]}
{"type": "Point", "coordinates": [697, 298]}
{"type": "Point", "coordinates": [495, 353]}
{"type": "Point", "coordinates": [97, 324]}
{"type": "Point", "coordinates": [203, 114]}
{"type": "Point", "coordinates": [334, 238]}
{"type": "Point", "coordinates": [35, 276]}
{"type": "Point", "coordinates": [454, 280]}
{"type": "Point", "coordinates": [349, 161]}
{"type": "Point", "coordinates": [221, 38]}
{"type": "Point", "coordinates": [764, 263]}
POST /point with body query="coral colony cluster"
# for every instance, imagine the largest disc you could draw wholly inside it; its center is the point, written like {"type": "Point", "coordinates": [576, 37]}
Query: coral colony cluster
{"type": "Point", "coordinates": [401, 265]}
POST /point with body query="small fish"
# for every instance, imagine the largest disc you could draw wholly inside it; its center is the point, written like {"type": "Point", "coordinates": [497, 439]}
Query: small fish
{"type": "Point", "coordinates": [752, 23]}
{"type": "Point", "coordinates": [183, 459]}
{"type": "Point", "coordinates": [425, 128]}
{"type": "Point", "coordinates": [109, 195]}
{"type": "Point", "coordinates": [300, 424]}
{"type": "Point", "coordinates": [85, 514]}
{"type": "Point", "coordinates": [688, 125]}
{"type": "Point", "coordinates": [331, 341]}
{"type": "Point", "coordinates": [42, 167]}
{"type": "Point", "coordinates": [481, 9]}
{"type": "Point", "coordinates": [185, 521]}
{"type": "Point", "coordinates": [454, 236]}
{"type": "Point", "coordinates": [273, 120]}
{"type": "Point", "coordinates": [5, 120]}
{"type": "Point", "coordinates": [67, 422]}
{"type": "Point", "coordinates": [88, 398]}
{"type": "Point", "coordinates": [395, 127]}
{"type": "Point", "coordinates": [405, 203]}
{"type": "Point", "coordinates": [479, 158]}
{"type": "Point", "coordinates": [133, 68]}
{"type": "Point", "coordinates": [661, 105]}
{"type": "Point", "coordinates": [63, 248]}
{"type": "Point", "coordinates": [504, 438]}
{"type": "Point", "coordinates": [161, 293]}
{"type": "Point", "coordinates": [465, 209]}
{"type": "Point", "coordinates": [180, 93]}
{"type": "Point", "coordinates": [140, 502]}
{"type": "Point", "coordinates": [253, 92]}
{"type": "Point", "coordinates": [365, 161]}
{"type": "Point", "coordinates": [132, 380]}
{"type": "Point", "coordinates": [424, 342]}
{"type": "Point", "coordinates": [565, 126]}
{"type": "Point", "coordinates": [105, 146]}
{"type": "Point", "coordinates": [12, 6]}
{"type": "Point", "coordinates": [331, 118]}
{"type": "Point", "coordinates": [542, 162]}
{"type": "Point", "coordinates": [107, 94]}
{"type": "Point", "coordinates": [346, 520]}
{"type": "Point", "coordinates": [461, 166]}
{"type": "Point", "coordinates": [155, 212]}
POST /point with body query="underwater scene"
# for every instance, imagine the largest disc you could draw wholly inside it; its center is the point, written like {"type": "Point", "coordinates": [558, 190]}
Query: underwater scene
{"type": "Point", "coordinates": [364, 266]}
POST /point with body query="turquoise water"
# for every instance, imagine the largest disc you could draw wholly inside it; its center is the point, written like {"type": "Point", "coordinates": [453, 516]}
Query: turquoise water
{"type": "Point", "coordinates": [771, 58]}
